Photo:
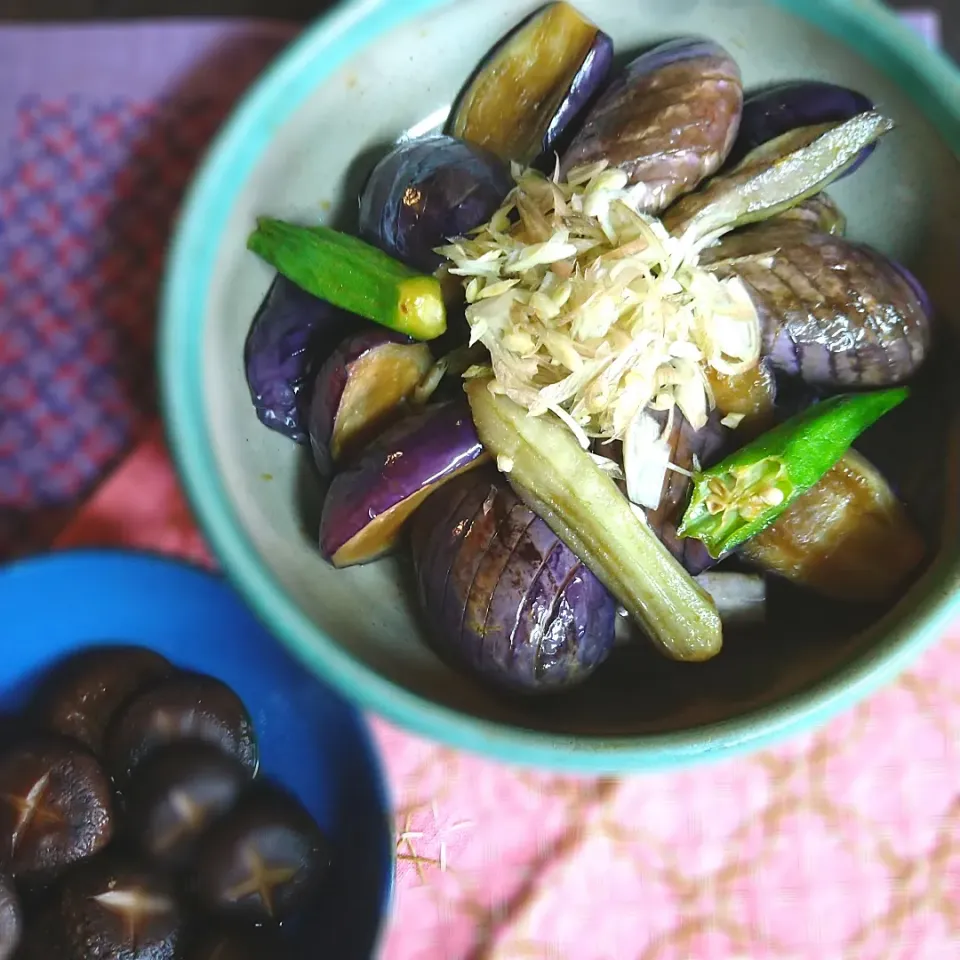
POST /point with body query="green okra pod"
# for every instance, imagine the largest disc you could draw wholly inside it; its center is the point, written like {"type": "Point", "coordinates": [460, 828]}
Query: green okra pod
{"type": "Point", "coordinates": [560, 482]}
{"type": "Point", "coordinates": [353, 275]}
{"type": "Point", "coordinates": [746, 492]}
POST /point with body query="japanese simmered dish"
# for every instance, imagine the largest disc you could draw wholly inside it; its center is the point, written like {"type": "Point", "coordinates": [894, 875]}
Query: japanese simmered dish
{"type": "Point", "coordinates": [598, 358]}
{"type": "Point", "coordinates": [134, 825]}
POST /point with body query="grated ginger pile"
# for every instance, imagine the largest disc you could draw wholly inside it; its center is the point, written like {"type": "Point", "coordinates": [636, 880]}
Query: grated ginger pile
{"type": "Point", "coordinates": [591, 310]}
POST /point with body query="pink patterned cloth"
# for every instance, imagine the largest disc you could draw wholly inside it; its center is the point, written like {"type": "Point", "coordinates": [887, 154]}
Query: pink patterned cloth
{"type": "Point", "coordinates": [842, 844]}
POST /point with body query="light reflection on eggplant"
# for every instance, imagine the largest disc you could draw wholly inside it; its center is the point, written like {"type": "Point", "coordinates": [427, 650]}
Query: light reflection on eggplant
{"type": "Point", "coordinates": [835, 313]}
{"type": "Point", "coordinates": [503, 596]}
{"type": "Point", "coordinates": [668, 121]}
{"type": "Point", "coordinates": [426, 191]}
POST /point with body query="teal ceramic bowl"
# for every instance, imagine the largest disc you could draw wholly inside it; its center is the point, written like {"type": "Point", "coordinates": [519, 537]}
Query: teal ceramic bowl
{"type": "Point", "coordinates": [299, 145]}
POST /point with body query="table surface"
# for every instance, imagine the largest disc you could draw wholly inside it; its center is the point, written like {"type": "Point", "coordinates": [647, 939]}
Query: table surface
{"type": "Point", "coordinates": [305, 10]}
{"type": "Point", "coordinates": [122, 9]}
{"type": "Point", "coordinates": [845, 842]}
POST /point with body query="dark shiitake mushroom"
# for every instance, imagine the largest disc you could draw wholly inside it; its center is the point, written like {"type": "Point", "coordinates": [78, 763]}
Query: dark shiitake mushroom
{"type": "Point", "coordinates": [113, 908]}
{"type": "Point", "coordinates": [176, 793]}
{"type": "Point", "coordinates": [11, 918]}
{"type": "Point", "coordinates": [42, 936]}
{"type": "Point", "coordinates": [82, 694]}
{"type": "Point", "coordinates": [262, 860]}
{"type": "Point", "coordinates": [237, 943]}
{"type": "Point", "coordinates": [185, 707]}
{"type": "Point", "coordinates": [55, 806]}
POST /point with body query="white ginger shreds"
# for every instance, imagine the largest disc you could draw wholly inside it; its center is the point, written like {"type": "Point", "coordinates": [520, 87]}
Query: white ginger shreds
{"type": "Point", "coordinates": [646, 458]}
{"type": "Point", "coordinates": [590, 309]}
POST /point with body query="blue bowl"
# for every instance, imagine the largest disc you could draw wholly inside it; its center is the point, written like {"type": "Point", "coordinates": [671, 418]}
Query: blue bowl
{"type": "Point", "coordinates": [310, 739]}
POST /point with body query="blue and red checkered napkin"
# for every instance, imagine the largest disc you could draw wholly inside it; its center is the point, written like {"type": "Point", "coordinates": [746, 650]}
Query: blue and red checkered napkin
{"type": "Point", "coordinates": [101, 129]}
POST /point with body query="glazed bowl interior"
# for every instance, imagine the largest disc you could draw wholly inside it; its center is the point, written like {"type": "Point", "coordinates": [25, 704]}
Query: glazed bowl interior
{"type": "Point", "coordinates": [256, 492]}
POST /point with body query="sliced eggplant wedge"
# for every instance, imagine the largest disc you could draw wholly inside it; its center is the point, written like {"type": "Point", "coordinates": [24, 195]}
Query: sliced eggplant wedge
{"type": "Point", "coordinates": [369, 502]}
{"type": "Point", "coordinates": [849, 537]}
{"type": "Point", "coordinates": [361, 389]}
{"type": "Point", "coordinates": [534, 84]}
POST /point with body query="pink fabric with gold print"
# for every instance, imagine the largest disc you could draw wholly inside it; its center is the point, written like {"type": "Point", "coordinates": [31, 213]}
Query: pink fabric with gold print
{"type": "Point", "coordinates": [842, 844]}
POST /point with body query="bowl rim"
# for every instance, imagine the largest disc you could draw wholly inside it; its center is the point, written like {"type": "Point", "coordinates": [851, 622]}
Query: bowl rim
{"type": "Point", "coordinates": [927, 76]}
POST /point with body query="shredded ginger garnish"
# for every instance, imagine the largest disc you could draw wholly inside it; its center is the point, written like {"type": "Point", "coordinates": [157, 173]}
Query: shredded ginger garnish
{"type": "Point", "coordinates": [591, 310]}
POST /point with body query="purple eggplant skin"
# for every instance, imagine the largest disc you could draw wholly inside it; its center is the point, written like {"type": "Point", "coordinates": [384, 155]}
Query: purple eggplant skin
{"type": "Point", "coordinates": [776, 110]}
{"type": "Point", "coordinates": [705, 446]}
{"type": "Point", "coordinates": [526, 95]}
{"type": "Point", "coordinates": [369, 501]}
{"type": "Point", "coordinates": [425, 192]}
{"type": "Point", "coordinates": [290, 331]}
{"type": "Point", "coordinates": [360, 390]}
{"type": "Point", "coordinates": [668, 121]}
{"type": "Point", "coordinates": [502, 595]}
{"type": "Point", "coordinates": [584, 89]}
{"type": "Point", "coordinates": [919, 291]}
{"type": "Point", "coordinates": [837, 314]}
